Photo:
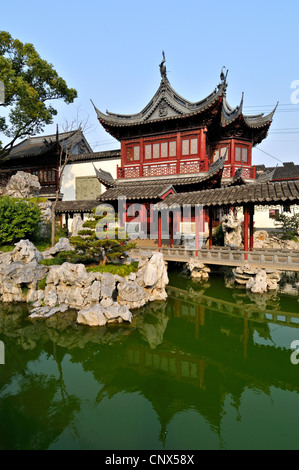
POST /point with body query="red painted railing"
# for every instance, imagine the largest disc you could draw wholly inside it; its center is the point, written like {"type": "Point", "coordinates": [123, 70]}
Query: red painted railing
{"type": "Point", "coordinates": [182, 167]}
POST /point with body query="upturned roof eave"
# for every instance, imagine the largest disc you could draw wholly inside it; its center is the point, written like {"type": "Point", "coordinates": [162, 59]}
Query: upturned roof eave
{"type": "Point", "coordinates": [184, 109]}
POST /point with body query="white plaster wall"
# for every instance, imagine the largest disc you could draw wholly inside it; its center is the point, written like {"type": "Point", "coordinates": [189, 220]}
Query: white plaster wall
{"type": "Point", "coordinates": [68, 187]}
{"type": "Point", "coordinates": [261, 216]}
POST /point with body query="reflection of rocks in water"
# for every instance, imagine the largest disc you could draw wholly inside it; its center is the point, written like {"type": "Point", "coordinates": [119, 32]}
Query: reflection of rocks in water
{"type": "Point", "coordinates": [62, 329]}
{"type": "Point", "coordinates": [153, 324]}
{"type": "Point", "coordinates": [262, 301]}
{"type": "Point", "coordinates": [289, 283]}
{"type": "Point", "coordinates": [265, 300]}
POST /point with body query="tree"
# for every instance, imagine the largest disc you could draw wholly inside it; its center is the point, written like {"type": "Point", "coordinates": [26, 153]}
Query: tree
{"type": "Point", "coordinates": [65, 152]}
{"type": "Point", "coordinates": [289, 226]}
{"type": "Point", "coordinates": [98, 242]}
{"type": "Point", "coordinates": [31, 85]}
{"type": "Point", "coordinates": [19, 219]}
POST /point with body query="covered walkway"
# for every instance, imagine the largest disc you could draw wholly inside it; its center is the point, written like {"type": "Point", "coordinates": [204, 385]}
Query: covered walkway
{"type": "Point", "coordinates": [247, 196]}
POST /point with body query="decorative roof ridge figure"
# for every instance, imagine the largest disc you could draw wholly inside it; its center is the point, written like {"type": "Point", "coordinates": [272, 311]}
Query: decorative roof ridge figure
{"type": "Point", "coordinates": [162, 66]}
{"type": "Point", "coordinates": [223, 76]}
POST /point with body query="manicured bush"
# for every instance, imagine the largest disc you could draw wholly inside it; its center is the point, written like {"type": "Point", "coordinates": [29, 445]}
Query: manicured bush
{"type": "Point", "coordinates": [18, 219]}
{"type": "Point", "coordinates": [101, 244]}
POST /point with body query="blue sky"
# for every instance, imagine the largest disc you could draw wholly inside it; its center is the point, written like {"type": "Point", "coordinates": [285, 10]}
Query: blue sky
{"type": "Point", "coordinates": [110, 52]}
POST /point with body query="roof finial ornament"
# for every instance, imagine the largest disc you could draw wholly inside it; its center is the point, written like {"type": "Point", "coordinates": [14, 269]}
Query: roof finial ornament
{"type": "Point", "coordinates": [162, 66]}
{"type": "Point", "coordinates": [222, 75]}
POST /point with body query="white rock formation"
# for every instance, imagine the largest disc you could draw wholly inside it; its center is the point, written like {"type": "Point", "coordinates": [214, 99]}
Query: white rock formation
{"type": "Point", "coordinates": [23, 185]}
{"type": "Point", "coordinates": [20, 273]}
{"type": "Point", "coordinates": [255, 279]}
{"type": "Point", "coordinates": [99, 298]}
{"type": "Point", "coordinates": [62, 245]}
{"type": "Point", "coordinates": [232, 230]}
{"type": "Point", "coordinates": [198, 270]}
{"type": "Point", "coordinates": [77, 225]}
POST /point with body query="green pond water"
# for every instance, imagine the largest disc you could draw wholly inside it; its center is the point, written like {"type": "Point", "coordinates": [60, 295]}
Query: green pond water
{"type": "Point", "coordinates": [208, 369]}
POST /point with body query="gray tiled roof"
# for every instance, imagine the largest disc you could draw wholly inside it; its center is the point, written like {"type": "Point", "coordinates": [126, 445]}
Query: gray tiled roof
{"type": "Point", "coordinates": [76, 206]}
{"type": "Point", "coordinates": [288, 171]}
{"type": "Point", "coordinates": [95, 156]}
{"type": "Point", "coordinates": [138, 191]}
{"type": "Point", "coordinates": [42, 144]}
{"type": "Point", "coordinates": [257, 193]}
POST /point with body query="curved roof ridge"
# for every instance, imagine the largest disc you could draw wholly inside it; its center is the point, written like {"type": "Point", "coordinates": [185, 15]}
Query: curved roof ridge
{"type": "Point", "coordinates": [260, 120]}
{"type": "Point", "coordinates": [174, 100]}
{"type": "Point", "coordinates": [228, 113]}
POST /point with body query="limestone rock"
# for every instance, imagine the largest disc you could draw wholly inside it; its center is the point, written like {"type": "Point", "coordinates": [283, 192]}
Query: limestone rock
{"type": "Point", "coordinates": [93, 315]}
{"type": "Point", "coordinates": [256, 280]}
{"type": "Point", "coordinates": [62, 245]}
{"type": "Point", "coordinates": [46, 312]}
{"type": "Point", "coordinates": [107, 285]}
{"type": "Point", "coordinates": [77, 225]}
{"type": "Point", "coordinates": [231, 227]}
{"type": "Point", "coordinates": [70, 275]}
{"type": "Point", "coordinates": [23, 185]}
{"type": "Point", "coordinates": [258, 284]}
{"type": "Point", "coordinates": [130, 293]}
{"type": "Point", "coordinates": [155, 274]}
{"type": "Point", "coordinates": [25, 252]}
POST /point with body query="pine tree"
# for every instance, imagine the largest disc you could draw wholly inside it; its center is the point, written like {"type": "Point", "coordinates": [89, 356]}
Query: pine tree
{"type": "Point", "coordinates": [101, 239]}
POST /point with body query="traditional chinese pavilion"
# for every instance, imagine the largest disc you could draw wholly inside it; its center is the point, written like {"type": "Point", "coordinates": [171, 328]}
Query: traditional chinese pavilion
{"type": "Point", "coordinates": [174, 146]}
{"type": "Point", "coordinates": [173, 137]}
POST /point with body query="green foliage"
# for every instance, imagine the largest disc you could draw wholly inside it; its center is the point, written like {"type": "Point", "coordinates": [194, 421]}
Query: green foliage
{"type": "Point", "coordinates": [42, 284]}
{"type": "Point", "coordinates": [93, 239]}
{"type": "Point", "coordinates": [68, 257]}
{"type": "Point", "coordinates": [19, 219]}
{"type": "Point", "coordinates": [218, 236]}
{"type": "Point", "coordinates": [289, 226]}
{"type": "Point", "coordinates": [6, 248]}
{"type": "Point", "coordinates": [30, 83]}
{"type": "Point", "coordinates": [38, 200]}
{"type": "Point", "coordinates": [120, 269]}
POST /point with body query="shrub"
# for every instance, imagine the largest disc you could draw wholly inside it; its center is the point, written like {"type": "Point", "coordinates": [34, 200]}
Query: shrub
{"type": "Point", "coordinates": [289, 226]}
{"type": "Point", "coordinates": [19, 219]}
{"type": "Point", "coordinates": [120, 269]}
{"type": "Point", "coordinates": [218, 236]}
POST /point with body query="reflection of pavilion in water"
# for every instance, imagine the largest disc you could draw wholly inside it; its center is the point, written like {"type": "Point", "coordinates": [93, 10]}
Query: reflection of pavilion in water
{"type": "Point", "coordinates": [208, 353]}
{"type": "Point", "coordinates": [192, 353]}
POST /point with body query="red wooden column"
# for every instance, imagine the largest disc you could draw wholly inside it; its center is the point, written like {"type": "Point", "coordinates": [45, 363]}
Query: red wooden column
{"type": "Point", "coordinates": [159, 230]}
{"type": "Point", "coordinates": [210, 228]}
{"type": "Point", "coordinates": [202, 148]}
{"type": "Point", "coordinates": [246, 223]}
{"type": "Point", "coordinates": [251, 214]}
